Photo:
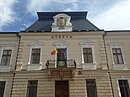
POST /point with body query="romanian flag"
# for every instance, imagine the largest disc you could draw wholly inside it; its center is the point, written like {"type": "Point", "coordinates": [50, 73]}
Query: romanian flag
{"type": "Point", "coordinates": [54, 51]}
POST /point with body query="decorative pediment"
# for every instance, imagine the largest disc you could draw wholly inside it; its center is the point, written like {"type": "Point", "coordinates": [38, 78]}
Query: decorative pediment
{"type": "Point", "coordinates": [86, 43]}
{"type": "Point", "coordinates": [36, 43]}
{"type": "Point", "coordinates": [115, 44]}
{"type": "Point", "coordinates": [61, 44]}
{"type": "Point", "coordinates": [61, 23]}
{"type": "Point", "coordinates": [7, 45]}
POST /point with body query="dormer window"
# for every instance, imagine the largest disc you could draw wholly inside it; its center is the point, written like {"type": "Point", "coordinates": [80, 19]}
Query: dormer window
{"type": "Point", "coordinates": [61, 23]}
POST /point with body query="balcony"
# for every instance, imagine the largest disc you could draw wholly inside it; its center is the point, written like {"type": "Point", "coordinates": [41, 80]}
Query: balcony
{"type": "Point", "coordinates": [61, 69]}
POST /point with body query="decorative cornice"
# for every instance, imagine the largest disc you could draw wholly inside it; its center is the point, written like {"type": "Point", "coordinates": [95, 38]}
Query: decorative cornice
{"type": "Point", "coordinates": [36, 43]}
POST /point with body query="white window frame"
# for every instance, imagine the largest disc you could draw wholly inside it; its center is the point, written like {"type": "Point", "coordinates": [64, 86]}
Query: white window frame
{"type": "Point", "coordinates": [113, 62]}
{"type": "Point", "coordinates": [30, 54]}
{"type": "Point", "coordinates": [87, 44]}
{"type": "Point", "coordinates": [62, 44]}
{"type": "Point", "coordinates": [117, 45]}
{"type": "Point", "coordinates": [35, 44]}
{"type": "Point", "coordinates": [6, 48]}
{"type": "Point", "coordinates": [8, 85]}
{"type": "Point", "coordinates": [118, 87]}
{"type": "Point", "coordinates": [5, 89]}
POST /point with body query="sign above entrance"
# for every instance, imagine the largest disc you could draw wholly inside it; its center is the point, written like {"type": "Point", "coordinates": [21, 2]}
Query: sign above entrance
{"type": "Point", "coordinates": [61, 36]}
{"type": "Point", "coordinates": [61, 63]}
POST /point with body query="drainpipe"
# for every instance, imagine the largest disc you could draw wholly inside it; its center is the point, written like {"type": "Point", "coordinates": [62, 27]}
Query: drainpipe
{"type": "Point", "coordinates": [17, 35]}
{"type": "Point", "coordinates": [107, 63]}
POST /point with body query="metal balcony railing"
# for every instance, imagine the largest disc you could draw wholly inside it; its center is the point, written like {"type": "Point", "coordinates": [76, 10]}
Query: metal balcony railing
{"type": "Point", "coordinates": [61, 64]}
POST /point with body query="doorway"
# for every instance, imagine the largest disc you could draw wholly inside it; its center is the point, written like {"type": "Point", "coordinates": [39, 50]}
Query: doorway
{"type": "Point", "coordinates": [61, 89]}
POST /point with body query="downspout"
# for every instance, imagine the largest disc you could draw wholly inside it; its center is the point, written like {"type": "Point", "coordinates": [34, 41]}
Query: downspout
{"type": "Point", "coordinates": [15, 61]}
{"type": "Point", "coordinates": [107, 63]}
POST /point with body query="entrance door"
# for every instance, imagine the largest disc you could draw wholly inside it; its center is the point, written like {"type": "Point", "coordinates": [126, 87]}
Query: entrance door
{"type": "Point", "coordinates": [62, 57]}
{"type": "Point", "coordinates": [61, 89]}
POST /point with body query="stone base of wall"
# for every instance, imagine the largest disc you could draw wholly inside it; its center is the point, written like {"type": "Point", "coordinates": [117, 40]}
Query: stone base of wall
{"type": "Point", "coordinates": [46, 84]}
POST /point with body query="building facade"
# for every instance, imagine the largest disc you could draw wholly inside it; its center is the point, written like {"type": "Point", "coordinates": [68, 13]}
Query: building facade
{"type": "Point", "coordinates": [64, 55]}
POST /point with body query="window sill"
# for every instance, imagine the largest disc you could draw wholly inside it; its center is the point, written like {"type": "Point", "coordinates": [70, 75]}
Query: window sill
{"type": "Point", "coordinates": [119, 64]}
{"type": "Point", "coordinates": [120, 67]}
{"type": "Point", "coordinates": [34, 66]}
{"type": "Point", "coordinates": [6, 68]}
{"type": "Point", "coordinates": [88, 66]}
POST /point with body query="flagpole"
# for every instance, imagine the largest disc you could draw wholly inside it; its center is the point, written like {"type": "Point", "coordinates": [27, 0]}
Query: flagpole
{"type": "Point", "coordinates": [55, 57]}
{"type": "Point", "coordinates": [54, 52]}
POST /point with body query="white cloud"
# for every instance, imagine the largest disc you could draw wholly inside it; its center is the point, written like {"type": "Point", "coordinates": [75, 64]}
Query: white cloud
{"type": "Point", "coordinates": [105, 14]}
{"type": "Point", "coordinates": [34, 6]}
{"type": "Point", "coordinates": [24, 26]}
{"type": "Point", "coordinates": [66, 1]}
{"type": "Point", "coordinates": [6, 13]}
{"type": "Point", "coordinates": [115, 18]}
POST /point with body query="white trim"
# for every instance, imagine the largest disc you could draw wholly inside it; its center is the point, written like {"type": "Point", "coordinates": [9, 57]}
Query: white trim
{"type": "Point", "coordinates": [30, 54]}
{"type": "Point", "coordinates": [35, 44]}
{"type": "Point", "coordinates": [6, 48]}
{"type": "Point", "coordinates": [35, 66]}
{"type": "Point", "coordinates": [118, 66]}
{"type": "Point", "coordinates": [67, 26]}
{"type": "Point", "coordinates": [7, 86]}
{"type": "Point", "coordinates": [117, 45]}
{"type": "Point", "coordinates": [128, 79]}
{"type": "Point", "coordinates": [87, 44]}
{"type": "Point", "coordinates": [61, 44]}
{"type": "Point", "coordinates": [5, 89]}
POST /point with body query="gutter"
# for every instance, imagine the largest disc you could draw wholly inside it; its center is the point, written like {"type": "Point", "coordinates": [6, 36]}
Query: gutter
{"type": "Point", "coordinates": [17, 35]}
{"type": "Point", "coordinates": [107, 63]}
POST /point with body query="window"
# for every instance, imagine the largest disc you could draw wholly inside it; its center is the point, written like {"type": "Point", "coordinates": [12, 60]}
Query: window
{"type": "Point", "coordinates": [2, 87]}
{"type": "Point", "coordinates": [35, 57]}
{"type": "Point", "coordinates": [91, 88]}
{"type": "Point", "coordinates": [124, 88]}
{"type": "Point", "coordinates": [6, 56]}
{"type": "Point", "coordinates": [62, 56]}
{"type": "Point", "coordinates": [117, 56]}
{"type": "Point", "coordinates": [87, 54]}
{"type": "Point", "coordinates": [32, 88]}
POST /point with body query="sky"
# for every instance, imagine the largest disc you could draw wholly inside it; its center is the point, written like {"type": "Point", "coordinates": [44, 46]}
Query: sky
{"type": "Point", "coordinates": [17, 15]}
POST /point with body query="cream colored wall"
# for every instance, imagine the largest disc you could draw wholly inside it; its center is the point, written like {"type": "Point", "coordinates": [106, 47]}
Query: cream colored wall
{"type": "Point", "coordinates": [10, 40]}
{"type": "Point", "coordinates": [45, 88]}
{"type": "Point", "coordinates": [122, 40]}
{"type": "Point", "coordinates": [118, 39]}
{"type": "Point", "coordinates": [120, 75]}
{"type": "Point", "coordinates": [46, 83]}
{"type": "Point", "coordinates": [8, 77]}
{"type": "Point", "coordinates": [77, 84]}
{"type": "Point", "coordinates": [74, 47]}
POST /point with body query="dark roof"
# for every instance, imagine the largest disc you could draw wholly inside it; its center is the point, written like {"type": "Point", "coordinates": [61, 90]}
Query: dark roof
{"type": "Point", "coordinates": [45, 20]}
{"type": "Point", "coordinates": [118, 31]}
{"type": "Point", "coordinates": [9, 32]}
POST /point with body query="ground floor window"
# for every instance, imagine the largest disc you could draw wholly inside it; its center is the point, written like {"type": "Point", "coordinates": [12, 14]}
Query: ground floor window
{"type": "Point", "coordinates": [32, 88]}
{"type": "Point", "coordinates": [2, 88]}
{"type": "Point", "coordinates": [91, 88]}
{"type": "Point", "coordinates": [124, 88]}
